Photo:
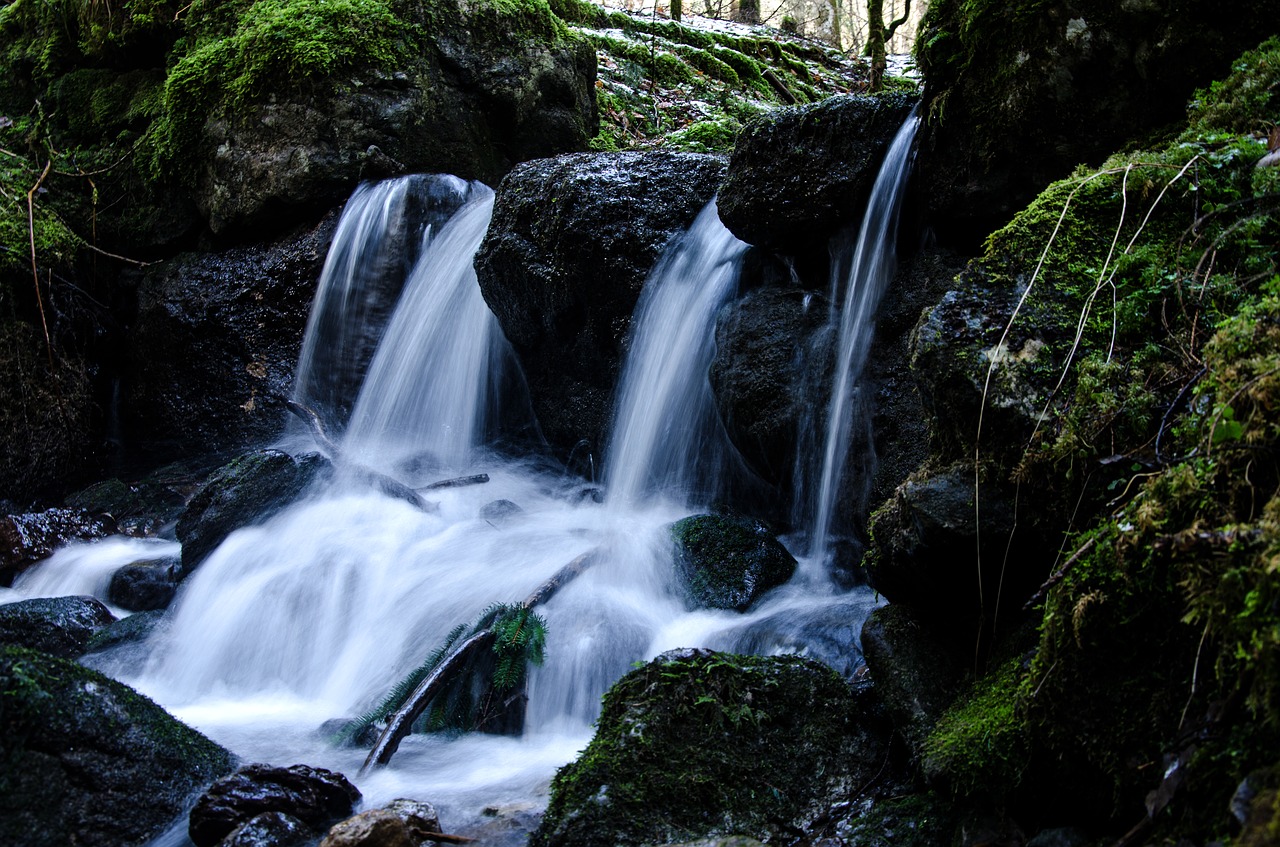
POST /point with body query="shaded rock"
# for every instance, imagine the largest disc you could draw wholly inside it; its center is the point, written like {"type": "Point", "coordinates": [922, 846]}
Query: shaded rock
{"type": "Point", "coordinates": [245, 491]}
{"type": "Point", "coordinates": [685, 744]}
{"type": "Point", "coordinates": [270, 829]}
{"type": "Point", "coordinates": [728, 562]}
{"type": "Point", "coordinates": [374, 828]}
{"type": "Point", "coordinates": [1020, 96]}
{"type": "Point", "coordinates": [338, 731]}
{"type": "Point", "coordinates": [418, 815]}
{"type": "Point", "coordinates": [138, 508]}
{"type": "Point", "coordinates": [1064, 836]}
{"type": "Point", "coordinates": [315, 796]}
{"type": "Point", "coordinates": [28, 538]}
{"type": "Point", "coordinates": [915, 820]}
{"type": "Point", "coordinates": [770, 357]}
{"type": "Point", "coordinates": [215, 344]}
{"type": "Point", "coordinates": [800, 174]}
{"type": "Point", "coordinates": [572, 240]}
{"type": "Point", "coordinates": [145, 586]}
{"type": "Point", "coordinates": [129, 630]}
{"type": "Point", "coordinates": [88, 760]}
{"type": "Point", "coordinates": [915, 676]}
{"type": "Point", "coordinates": [60, 626]}
{"type": "Point", "coordinates": [725, 841]}
{"type": "Point", "coordinates": [499, 512]}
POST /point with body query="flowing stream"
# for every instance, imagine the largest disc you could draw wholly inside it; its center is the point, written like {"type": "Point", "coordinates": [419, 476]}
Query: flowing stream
{"type": "Point", "coordinates": [314, 614]}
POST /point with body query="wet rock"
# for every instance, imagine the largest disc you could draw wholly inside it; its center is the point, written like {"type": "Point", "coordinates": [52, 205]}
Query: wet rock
{"type": "Point", "coordinates": [800, 174]}
{"type": "Point", "coordinates": [685, 743]}
{"type": "Point", "coordinates": [1022, 97]}
{"type": "Point", "coordinates": [728, 562]}
{"type": "Point", "coordinates": [339, 731]}
{"type": "Point", "coordinates": [315, 796]}
{"type": "Point", "coordinates": [215, 344]}
{"type": "Point", "coordinates": [724, 841]}
{"type": "Point", "coordinates": [914, 820]}
{"type": "Point", "coordinates": [142, 508]}
{"type": "Point", "coordinates": [769, 354]}
{"type": "Point", "coordinates": [146, 585]}
{"type": "Point", "coordinates": [60, 626]}
{"type": "Point", "coordinates": [374, 828]}
{"type": "Point", "coordinates": [572, 240]}
{"type": "Point", "coordinates": [88, 760]}
{"type": "Point", "coordinates": [270, 829]}
{"type": "Point", "coordinates": [245, 491]}
{"type": "Point", "coordinates": [419, 815]}
{"type": "Point", "coordinates": [26, 539]}
{"type": "Point", "coordinates": [499, 512]}
{"type": "Point", "coordinates": [129, 630]}
{"type": "Point", "coordinates": [915, 675]}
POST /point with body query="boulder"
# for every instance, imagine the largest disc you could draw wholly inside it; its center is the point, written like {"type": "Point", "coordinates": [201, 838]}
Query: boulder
{"type": "Point", "coordinates": [374, 828]}
{"type": "Point", "coordinates": [215, 344]}
{"type": "Point", "coordinates": [728, 562]}
{"type": "Point", "coordinates": [88, 760]}
{"type": "Point", "coordinates": [1018, 96]}
{"type": "Point", "coordinates": [146, 585]}
{"type": "Point", "coordinates": [26, 539]}
{"type": "Point", "coordinates": [571, 243]}
{"type": "Point", "coordinates": [129, 630]}
{"type": "Point", "coordinates": [245, 491]}
{"type": "Point", "coordinates": [798, 175]}
{"type": "Point", "coordinates": [418, 815]}
{"type": "Point", "coordinates": [60, 626]}
{"type": "Point", "coordinates": [140, 508]}
{"type": "Point", "coordinates": [270, 829]}
{"type": "Point", "coordinates": [315, 796]}
{"type": "Point", "coordinates": [701, 744]}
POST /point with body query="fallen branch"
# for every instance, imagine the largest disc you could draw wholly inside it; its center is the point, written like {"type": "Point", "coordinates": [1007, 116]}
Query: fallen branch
{"type": "Point", "coordinates": [444, 673]}
{"type": "Point", "coordinates": [1059, 574]}
{"type": "Point", "coordinates": [457, 482]}
{"type": "Point", "coordinates": [778, 86]}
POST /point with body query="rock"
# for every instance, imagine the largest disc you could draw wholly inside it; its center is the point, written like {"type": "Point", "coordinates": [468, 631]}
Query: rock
{"type": "Point", "coordinates": [724, 841]}
{"type": "Point", "coordinates": [572, 241]}
{"type": "Point", "coordinates": [913, 820]}
{"type": "Point", "coordinates": [770, 357]}
{"type": "Point", "coordinates": [1018, 99]}
{"type": "Point", "coordinates": [245, 491]}
{"type": "Point", "coordinates": [215, 344]}
{"type": "Point", "coordinates": [701, 744]}
{"type": "Point", "coordinates": [60, 626]}
{"type": "Point", "coordinates": [915, 676]}
{"type": "Point", "coordinates": [1063, 836]}
{"type": "Point", "coordinates": [140, 508]}
{"type": "Point", "coordinates": [314, 796]}
{"type": "Point", "coordinates": [728, 562]}
{"type": "Point", "coordinates": [145, 586]}
{"type": "Point", "coordinates": [130, 630]}
{"type": "Point", "coordinates": [418, 815]}
{"type": "Point", "coordinates": [88, 760]}
{"type": "Point", "coordinates": [374, 828]}
{"type": "Point", "coordinates": [26, 539]}
{"type": "Point", "coordinates": [270, 829]}
{"type": "Point", "coordinates": [499, 512]}
{"type": "Point", "coordinates": [798, 175]}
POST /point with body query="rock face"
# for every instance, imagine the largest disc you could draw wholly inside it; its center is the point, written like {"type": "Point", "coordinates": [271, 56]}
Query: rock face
{"type": "Point", "coordinates": [728, 563]}
{"type": "Point", "coordinates": [215, 344]}
{"type": "Point", "coordinates": [1017, 96]}
{"type": "Point", "coordinates": [247, 490]}
{"type": "Point", "coordinates": [572, 240]}
{"type": "Point", "coordinates": [60, 626]}
{"type": "Point", "coordinates": [26, 539]}
{"type": "Point", "coordinates": [314, 796]}
{"type": "Point", "coordinates": [88, 760]}
{"type": "Point", "coordinates": [800, 174]}
{"type": "Point", "coordinates": [145, 586]}
{"type": "Point", "coordinates": [698, 743]}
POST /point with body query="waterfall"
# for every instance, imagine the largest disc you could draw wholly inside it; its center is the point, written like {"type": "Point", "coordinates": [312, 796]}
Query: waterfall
{"type": "Point", "coordinates": [863, 280]}
{"type": "Point", "coordinates": [667, 437]}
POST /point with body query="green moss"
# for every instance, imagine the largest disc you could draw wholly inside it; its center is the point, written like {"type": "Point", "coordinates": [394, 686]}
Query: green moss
{"type": "Point", "coordinates": [715, 136]}
{"type": "Point", "coordinates": [1247, 100]}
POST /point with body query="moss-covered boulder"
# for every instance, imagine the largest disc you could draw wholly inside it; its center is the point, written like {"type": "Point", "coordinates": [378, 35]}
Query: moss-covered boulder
{"type": "Point", "coordinates": [698, 743]}
{"type": "Point", "coordinates": [728, 562]}
{"type": "Point", "coordinates": [1018, 94]}
{"type": "Point", "coordinates": [90, 761]}
{"type": "Point", "coordinates": [245, 491]}
{"type": "Point", "coordinates": [572, 241]}
{"type": "Point", "coordinates": [59, 626]}
{"type": "Point", "coordinates": [800, 174]}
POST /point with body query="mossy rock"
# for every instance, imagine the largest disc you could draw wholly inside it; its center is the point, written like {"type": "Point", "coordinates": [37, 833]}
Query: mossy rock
{"type": "Point", "coordinates": [88, 760]}
{"type": "Point", "coordinates": [59, 626]}
{"type": "Point", "coordinates": [702, 744]}
{"type": "Point", "coordinates": [728, 562]}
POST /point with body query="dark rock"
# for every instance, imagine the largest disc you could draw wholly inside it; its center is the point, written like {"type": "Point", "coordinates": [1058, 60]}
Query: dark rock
{"type": "Point", "coordinates": [499, 512]}
{"type": "Point", "coordinates": [914, 820]}
{"type": "Point", "coordinates": [728, 562]}
{"type": "Point", "coordinates": [915, 676]}
{"type": "Point", "coordinates": [572, 240]}
{"type": "Point", "coordinates": [130, 630]}
{"type": "Point", "coordinates": [89, 761]}
{"type": "Point", "coordinates": [1019, 98]}
{"type": "Point", "coordinates": [60, 626]}
{"type": "Point", "coordinates": [315, 796]}
{"type": "Point", "coordinates": [145, 586]}
{"type": "Point", "coordinates": [215, 345]}
{"type": "Point", "coordinates": [26, 539]}
{"type": "Point", "coordinates": [770, 356]}
{"type": "Point", "coordinates": [270, 829]}
{"type": "Point", "coordinates": [245, 491]}
{"type": "Point", "coordinates": [800, 174]}
{"type": "Point", "coordinates": [140, 508]}
{"type": "Point", "coordinates": [685, 744]}
{"type": "Point", "coordinates": [338, 731]}
{"type": "Point", "coordinates": [1060, 837]}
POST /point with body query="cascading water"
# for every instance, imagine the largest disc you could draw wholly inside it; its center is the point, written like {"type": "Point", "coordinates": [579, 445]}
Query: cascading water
{"type": "Point", "coordinates": [868, 273]}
